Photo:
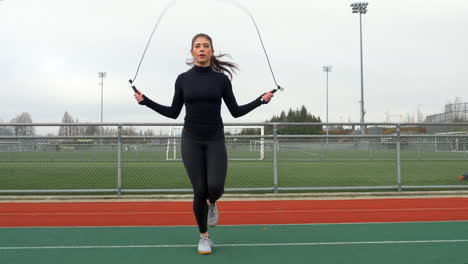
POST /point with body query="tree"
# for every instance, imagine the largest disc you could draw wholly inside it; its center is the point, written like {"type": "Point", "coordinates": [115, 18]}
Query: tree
{"type": "Point", "coordinates": [91, 130]}
{"type": "Point", "coordinates": [148, 132]}
{"type": "Point", "coordinates": [5, 130]}
{"type": "Point", "coordinates": [23, 130]}
{"type": "Point", "coordinates": [282, 117]}
{"type": "Point", "coordinates": [298, 115]}
{"type": "Point", "coordinates": [129, 131]}
{"type": "Point", "coordinates": [303, 113]}
{"type": "Point", "coordinates": [420, 116]}
{"type": "Point", "coordinates": [68, 130]}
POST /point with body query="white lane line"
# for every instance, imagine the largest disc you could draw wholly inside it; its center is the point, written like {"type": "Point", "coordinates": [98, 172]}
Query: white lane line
{"type": "Point", "coordinates": [247, 212]}
{"type": "Point", "coordinates": [248, 245]}
{"type": "Point", "coordinates": [238, 225]}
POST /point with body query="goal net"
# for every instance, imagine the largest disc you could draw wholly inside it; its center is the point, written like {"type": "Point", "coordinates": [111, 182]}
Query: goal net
{"type": "Point", "coordinates": [238, 148]}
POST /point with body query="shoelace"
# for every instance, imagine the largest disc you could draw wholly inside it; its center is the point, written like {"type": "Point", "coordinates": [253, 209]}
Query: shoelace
{"type": "Point", "coordinates": [205, 239]}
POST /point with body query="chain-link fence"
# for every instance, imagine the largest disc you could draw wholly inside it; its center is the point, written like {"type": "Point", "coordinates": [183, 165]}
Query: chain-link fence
{"type": "Point", "coordinates": [396, 157]}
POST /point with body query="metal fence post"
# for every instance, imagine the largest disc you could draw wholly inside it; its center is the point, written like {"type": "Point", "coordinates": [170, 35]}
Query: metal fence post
{"type": "Point", "coordinates": [419, 150]}
{"type": "Point", "coordinates": [119, 161]}
{"type": "Point", "coordinates": [137, 152]}
{"type": "Point", "coordinates": [275, 158]}
{"type": "Point", "coordinates": [464, 149]}
{"type": "Point", "coordinates": [398, 158]}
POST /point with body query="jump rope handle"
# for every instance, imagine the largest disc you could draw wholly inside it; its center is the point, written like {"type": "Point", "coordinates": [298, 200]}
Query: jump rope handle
{"type": "Point", "coordinates": [274, 91]}
{"type": "Point", "coordinates": [133, 86]}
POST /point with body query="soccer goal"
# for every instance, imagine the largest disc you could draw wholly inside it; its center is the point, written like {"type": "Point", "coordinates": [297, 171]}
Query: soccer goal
{"type": "Point", "coordinates": [453, 144]}
{"type": "Point", "coordinates": [238, 148]}
{"type": "Point", "coordinates": [173, 144]}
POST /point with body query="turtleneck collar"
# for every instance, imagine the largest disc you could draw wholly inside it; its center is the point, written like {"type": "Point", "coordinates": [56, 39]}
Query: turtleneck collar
{"type": "Point", "coordinates": [202, 69]}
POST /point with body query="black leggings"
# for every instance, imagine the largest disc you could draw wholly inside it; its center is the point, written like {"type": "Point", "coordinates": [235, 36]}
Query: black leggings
{"type": "Point", "coordinates": [206, 166]}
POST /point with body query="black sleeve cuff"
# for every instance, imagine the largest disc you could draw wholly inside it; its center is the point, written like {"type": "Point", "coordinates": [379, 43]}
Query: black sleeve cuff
{"type": "Point", "coordinates": [145, 100]}
{"type": "Point", "coordinates": [260, 99]}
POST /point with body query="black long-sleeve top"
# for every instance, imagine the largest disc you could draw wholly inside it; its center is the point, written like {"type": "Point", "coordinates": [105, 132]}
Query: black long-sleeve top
{"type": "Point", "coordinates": [201, 89]}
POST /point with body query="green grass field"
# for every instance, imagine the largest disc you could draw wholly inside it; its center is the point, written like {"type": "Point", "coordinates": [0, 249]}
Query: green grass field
{"type": "Point", "coordinates": [296, 168]}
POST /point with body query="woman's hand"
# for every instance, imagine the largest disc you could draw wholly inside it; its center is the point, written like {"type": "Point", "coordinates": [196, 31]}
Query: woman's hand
{"type": "Point", "coordinates": [267, 97]}
{"type": "Point", "coordinates": [139, 96]}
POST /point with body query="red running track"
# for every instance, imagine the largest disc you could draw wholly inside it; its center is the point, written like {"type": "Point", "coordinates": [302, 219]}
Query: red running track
{"type": "Point", "coordinates": [233, 212]}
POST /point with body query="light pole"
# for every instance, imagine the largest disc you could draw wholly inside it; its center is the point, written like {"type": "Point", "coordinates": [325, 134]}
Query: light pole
{"type": "Point", "coordinates": [420, 117]}
{"type": "Point", "coordinates": [361, 8]}
{"type": "Point", "coordinates": [327, 69]}
{"type": "Point", "coordinates": [102, 75]}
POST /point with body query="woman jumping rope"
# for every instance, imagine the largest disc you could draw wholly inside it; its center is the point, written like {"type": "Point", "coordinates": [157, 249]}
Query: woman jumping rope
{"type": "Point", "coordinates": [203, 147]}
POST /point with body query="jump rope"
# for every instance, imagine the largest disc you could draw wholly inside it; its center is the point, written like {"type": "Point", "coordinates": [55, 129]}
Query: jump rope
{"type": "Point", "coordinates": [238, 5]}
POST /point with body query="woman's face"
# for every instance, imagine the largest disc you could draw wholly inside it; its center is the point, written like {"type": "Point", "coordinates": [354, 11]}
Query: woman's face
{"type": "Point", "coordinates": [202, 51]}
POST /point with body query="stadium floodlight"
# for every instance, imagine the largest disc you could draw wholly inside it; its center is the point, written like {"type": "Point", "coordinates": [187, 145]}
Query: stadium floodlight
{"type": "Point", "coordinates": [327, 69]}
{"type": "Point", "coordinates": [361, 8]}
{"type": "Point", "coordinates": [102, 75]}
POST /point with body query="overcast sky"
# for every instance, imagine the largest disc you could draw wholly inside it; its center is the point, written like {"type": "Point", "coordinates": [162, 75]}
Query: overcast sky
{"type": "Point", "coordinates": [415, 55]}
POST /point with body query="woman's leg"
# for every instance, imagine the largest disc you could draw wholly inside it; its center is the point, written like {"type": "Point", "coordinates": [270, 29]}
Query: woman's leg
{"type": "Point", "coordinates": [216, 169]}
{"type": "Point", "coordinates": [193, 156]}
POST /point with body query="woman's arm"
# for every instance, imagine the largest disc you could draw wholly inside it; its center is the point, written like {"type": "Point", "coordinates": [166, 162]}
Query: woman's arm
{"type": "Point", "coordinates": [230, 100]}
{"type": "Point", "coordinates": [172, 111]}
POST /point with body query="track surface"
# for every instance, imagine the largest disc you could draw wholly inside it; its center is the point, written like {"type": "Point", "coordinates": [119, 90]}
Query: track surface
{"type": "Point", "coordinates": [233, 212]}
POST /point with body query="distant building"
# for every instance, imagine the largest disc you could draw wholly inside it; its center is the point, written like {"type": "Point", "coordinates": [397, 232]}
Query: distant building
{"type": "Point", "coordinates": [453, 113]}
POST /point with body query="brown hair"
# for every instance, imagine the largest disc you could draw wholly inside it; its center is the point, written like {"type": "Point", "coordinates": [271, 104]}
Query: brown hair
{"type": "Point", "coordinates": [217, 64]}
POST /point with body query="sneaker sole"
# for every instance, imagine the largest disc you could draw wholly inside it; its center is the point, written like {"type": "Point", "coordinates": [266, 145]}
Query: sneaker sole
{"type": "Point", "coordinates": [204, 252]}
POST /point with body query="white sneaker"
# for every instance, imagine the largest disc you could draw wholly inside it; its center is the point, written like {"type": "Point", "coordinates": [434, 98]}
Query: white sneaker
{"type": "Point", "coordinates": [204, 246]}
{"type": "Point", "coordinates": [210, 241]}
{"type": "Point", "coordinates": [213, 215]}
